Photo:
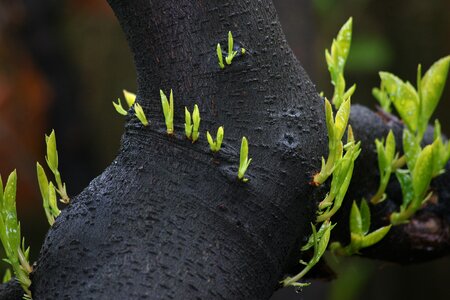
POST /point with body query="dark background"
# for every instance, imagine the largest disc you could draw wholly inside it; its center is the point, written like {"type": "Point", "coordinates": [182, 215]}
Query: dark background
{"type": "Point", "coordinates": [63, 62]}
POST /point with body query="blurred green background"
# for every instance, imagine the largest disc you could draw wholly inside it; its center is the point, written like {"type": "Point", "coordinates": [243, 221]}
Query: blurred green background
{"type": "Point", "coordinates": [63, 62]}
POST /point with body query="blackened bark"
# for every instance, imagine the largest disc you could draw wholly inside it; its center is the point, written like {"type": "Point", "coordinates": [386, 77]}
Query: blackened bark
{"type": "Point", "coordinates": [168, 220]}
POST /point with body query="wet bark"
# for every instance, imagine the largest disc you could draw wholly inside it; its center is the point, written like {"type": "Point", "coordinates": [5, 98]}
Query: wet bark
{"type": "Point", "coordinates": [169, 220]}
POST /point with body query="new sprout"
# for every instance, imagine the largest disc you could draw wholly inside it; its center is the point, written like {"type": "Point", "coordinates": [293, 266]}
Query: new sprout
{"type": "Point", "coordinates": [130, 98]}
{"type": "Point", "coordinates": [139, 112]}
{"type": "Point", "coordinates": [359, 231]}
{"type": "Point", "coordinates": [167, 110]}
{"type": "Point", "coordinates": [192, 125]}
{"type": "Point", "coordinates": [220, 56]}
{"type": "Point", "coordinates": [217, 144]}
{"type": "Point", "coordinates": [52, 162]}
{"type": "Point", "coordinates": [244, 161]}
{"type": "Point", "coordinates": [48, 193]}
{"type": "Point", "coordinates": [231, 53]}
{"type": "Point", "coordinates": [17, 255]}
{"type": "Point", "coordinates": [319, 241]}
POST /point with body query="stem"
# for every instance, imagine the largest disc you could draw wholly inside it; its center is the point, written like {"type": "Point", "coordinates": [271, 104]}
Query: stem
{"type": "Point", "coordinates": [290, 280]}
{"type": "Point", "coordinates": [399, 163]}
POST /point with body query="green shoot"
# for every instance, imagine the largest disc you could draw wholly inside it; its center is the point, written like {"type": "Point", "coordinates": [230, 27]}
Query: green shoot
{"type": "Point", "coordinates": [139, 112]}
{"type": "Point", "coordinates": [220, 56]}
{"type": "Point", "coordinates": [7, 276]}
{"type": "Point", "coordinates": [168, 111]}
{"type": "Point", "coordinates": [196, 119]}
{"type": "Point", "coordinates": [231, 53]}
{"type": "Point", "coordinates": [414, 184]}
{"type": "Point", "coordinates": [243, 51]}
{"type": "Point", "coordinates": [336, 130]}
{"type": "Point", "coordinates": [52, 162]}
{"type": "Point", "coordinates": [187, 123]}
{"type": "Point", "coordinates": [17, 255]}
{"type": "Point", "coordinates": [442, 151]}
{"type": "Point", "coordinates": [383, 98]}
{"type": "Point", "coordinates": [336, 60]}
{"type": "Point", "coordinates": [48, 193]}
{"type": "Point", "coordinates": [119, 108]}
{"type": "Point", "coordinates": [192, 125]}
{"type": "Point", "coordinates": [319, 240]}
{"type": "Point", "coordinates": [342, 175]}
{"type": "Point", "coordinates": [416, 107]}
{"type": "Point", "coordinates": [359, 231]}
{"type": "Point", "coordinates": [217, 144]}
{"type": "Point", "coordinates": [244, 161]}
{"type": "Point", "coordinates": [130, 98]}
{"type": "Point", "coordinates": [386, 163]}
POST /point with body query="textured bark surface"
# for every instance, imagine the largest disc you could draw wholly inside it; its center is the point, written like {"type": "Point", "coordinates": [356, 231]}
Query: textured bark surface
{"type": "Point", "coordinates": [169, 220]}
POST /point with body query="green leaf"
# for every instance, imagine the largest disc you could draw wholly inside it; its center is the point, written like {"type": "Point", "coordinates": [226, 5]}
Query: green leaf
{"type": "Point", "coordinates": [330, 121]}
{"type": "Point", "coordinates": [9, 213]}
{"type": "Point", "coordinates": [423, 172]}
{"type": "Point", "coordinates": [365, 216]}
{"type": "Point", "coordinates": [130, 98]}
{"type": "Point", "coordinates": [390, 147]}
{"type": "Point", "coordinates": [165, 104]}
{"type": "Point", "coordinates": [52, 153]}
{"type": "Point", "coordinates": [219, 137]}
{"type": "Point", "coordinates": [323, 242]}
{"type": "Point", "coordinates": [342, 116]}
{"type": "Point", "coordinates": [188, 124]}
{"type": "Point", "coordinates": [432, 85]}
{"type": "Point", "coordinates": [196, 120]}
{"type": "Point", "coordinates": [119, 108]}
{"type": "Point", "coordinates": [7, 276]}
{"type": "Point", "coordinates": [405, 180]}
{"type": "Point", "coordinates": [355, 220]}
{"type": "Point", "coordinates": [411, 148]}
{"type": "Point", "coordinates": [139, 112]}
{"type": "Point", "coordinates": [244, 161]}
{"type": "Point", "coordinates": [374, 237]}
{"type": "Point", "coordinates": [220, 56]}
{"type": "Point", "coordinates": [382, 159]}
{"type": "Point", "coordinates": [42, 181]}
{"type": "Point", "coordinates": [344, 40]}
{"type": "Point", "coordinates": [404, 97]}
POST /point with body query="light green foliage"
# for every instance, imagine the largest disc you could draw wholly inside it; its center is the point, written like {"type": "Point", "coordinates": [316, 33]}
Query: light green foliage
{"type": "Point", "coordinates": [414, 184]}
{"type": "Point", "coordinates": [442, 151]}
{"type": "Point", "coordinates": [130, 98]}
{"type": "Point", "coordinates": [48, 193]}
{"type": "Point", "coordinates": [342, 175]}
{"type": "Point", "coordinates": [192, 125]}
{"type": "Point", "coordinates": [244, 162]}
{"type": "Point", "coordinates": [404, 97]}
{"type": "Point", "coordinates": [319, 241]}
{"type": "Point", "coordinates": [387, 159]}
{"type": "Point", "coordinates": [217, 144]}
{"type": "Point", "coordinates": [168, 109]}
{"type": "Point", "coordinates": [231, 53]}
{"type": "Point", "coordinates": [336, 129]}
{"type": "Point", "coordinates": [220, 56]}
{"type": "Point", "coordinates": [382, 97]}
{"type": "Point", "coordinates": [359, 231]}
{"type": "Point", "coordinates": [187, 123]}
{"type": "Point", "coordinates": [52, 162]}
{"type": "Point", "coordinates": [416, 107]}
{"type": "Point", "coordinates": [119, 108]}
{"type": "Point", "coordinates": [17, 255]}
{"type": "Point", "coordinates": [139, 112]}
{"type": "Point", "coordinates": [7, 276]}
{"type": "Point", "coordinates": [336, 60]}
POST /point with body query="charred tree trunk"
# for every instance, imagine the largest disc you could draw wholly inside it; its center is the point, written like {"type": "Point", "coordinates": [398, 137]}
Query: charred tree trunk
{"type": "Point", "coordinates": [169, 220]}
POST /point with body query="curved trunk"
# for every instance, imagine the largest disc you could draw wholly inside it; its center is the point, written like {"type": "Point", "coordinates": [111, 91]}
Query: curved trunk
{"type": "Point", "coordinates": [170, 220]}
